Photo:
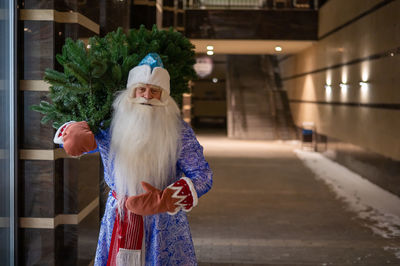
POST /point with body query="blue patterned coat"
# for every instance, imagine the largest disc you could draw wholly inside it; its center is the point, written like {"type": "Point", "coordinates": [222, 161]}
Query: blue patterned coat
{"type": "Point", "coordinates": [167, 237]}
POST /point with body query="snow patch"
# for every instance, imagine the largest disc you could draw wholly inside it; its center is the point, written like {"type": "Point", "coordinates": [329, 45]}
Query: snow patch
{"type": "Point", "coordinates": [395, 250]}
{"type": "Point", "coordinates": [372, 203]}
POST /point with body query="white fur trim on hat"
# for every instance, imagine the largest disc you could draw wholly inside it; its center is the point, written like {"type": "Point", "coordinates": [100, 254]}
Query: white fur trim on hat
{"type": "Point", "coordinates": [143, 74]}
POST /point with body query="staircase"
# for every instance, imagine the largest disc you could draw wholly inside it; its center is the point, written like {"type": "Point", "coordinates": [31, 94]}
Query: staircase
{"type": "Point", "coordinates": [257, 108]}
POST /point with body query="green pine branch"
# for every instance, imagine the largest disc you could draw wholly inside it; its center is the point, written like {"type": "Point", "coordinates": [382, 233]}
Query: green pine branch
{"type": "Point", "coordinates": [86, 88]}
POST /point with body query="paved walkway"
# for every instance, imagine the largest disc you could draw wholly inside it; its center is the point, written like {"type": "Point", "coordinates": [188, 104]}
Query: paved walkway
{"type": "Point", "coordinates": [267, 208]}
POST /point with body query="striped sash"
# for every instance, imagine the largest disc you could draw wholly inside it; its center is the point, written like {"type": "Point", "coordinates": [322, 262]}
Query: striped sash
{"type": "Point", "coordinates": [127, 236]}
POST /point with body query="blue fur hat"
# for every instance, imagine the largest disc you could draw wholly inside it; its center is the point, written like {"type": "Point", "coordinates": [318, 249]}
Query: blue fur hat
{"type": "Point", "coordinates": [153, 60]}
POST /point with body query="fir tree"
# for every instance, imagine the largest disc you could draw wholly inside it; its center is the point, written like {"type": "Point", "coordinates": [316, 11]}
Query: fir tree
{"type": "Point", "coordinates": [92, 76]}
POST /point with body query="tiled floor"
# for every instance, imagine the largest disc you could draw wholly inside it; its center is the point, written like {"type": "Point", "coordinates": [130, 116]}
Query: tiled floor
{"type": "Point", "coordinates": [267, 208]}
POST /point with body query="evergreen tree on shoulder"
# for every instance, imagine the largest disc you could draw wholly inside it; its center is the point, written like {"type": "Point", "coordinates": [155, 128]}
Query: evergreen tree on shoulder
{"type": "Point", "coordinates": [86, 89]}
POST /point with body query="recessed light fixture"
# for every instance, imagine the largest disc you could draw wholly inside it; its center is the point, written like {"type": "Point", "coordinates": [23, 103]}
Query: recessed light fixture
{"type": "Point", "coordinates": [210, 47]}
{"type": "Point", "coordinates": [210, 52]}
{"type": "Point", "coordinates": [214, 80]}
{"type": "Point", "coordinates": [278, 48]}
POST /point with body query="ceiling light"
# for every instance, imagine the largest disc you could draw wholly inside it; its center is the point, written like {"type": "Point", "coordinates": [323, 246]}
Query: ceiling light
{"type": "Point", "coordinates": [214, 80]}
{"type": "Point", "coordinates": [278, 48]}
{"type": "Point", "coordinates": [210, 47]}
{"type": "Point", "coordinates": [210, 52]}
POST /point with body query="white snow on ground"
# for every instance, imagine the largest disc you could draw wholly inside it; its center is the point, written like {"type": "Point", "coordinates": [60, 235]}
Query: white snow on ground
{"type": "Point", "coordinates": [377, 206]}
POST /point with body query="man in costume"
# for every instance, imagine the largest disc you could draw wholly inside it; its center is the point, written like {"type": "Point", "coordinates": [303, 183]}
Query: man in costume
{"type": "Point", "coordinates": [154, 167]}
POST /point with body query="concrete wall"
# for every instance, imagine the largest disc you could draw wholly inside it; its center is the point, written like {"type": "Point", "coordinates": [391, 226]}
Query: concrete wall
{"type": "Point", "coordinates": [359, 40]}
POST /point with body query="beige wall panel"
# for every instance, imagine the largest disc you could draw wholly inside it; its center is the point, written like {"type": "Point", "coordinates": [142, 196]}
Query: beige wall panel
{"type": "Point", "coordinates": [382, 76]}
{"type": "Point", "coordinates": [365, 127]}
{"type": "Point", "coordinates": [338, 12]}
{"type": "Point", "coordinates": [306, 88]}
{"type": "Point", "coordinates": [376, 33]}
{"type": "Point", "coordinates": [287, 66]}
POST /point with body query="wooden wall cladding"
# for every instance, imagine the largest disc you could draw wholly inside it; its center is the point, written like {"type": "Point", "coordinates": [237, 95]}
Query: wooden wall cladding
{"type": "Point", "coordinates": [88, 8]}
{"type": "Point", "coordinates": [58, 196]}
{"type": "Point", "coordinates": [40, 188]}
{"type": "Point", "coordinates": [33, 134]}
{"type": "Point", "coordinates": [81, 182]}
{"type": "Point", "coordinates": [114, 14]}
{"type": "Point", "coordinates": [35, 48]}
{"type": "Point", "coordinates": [34, 242]}
{"type": "Point", "coordinates": [40, 42]}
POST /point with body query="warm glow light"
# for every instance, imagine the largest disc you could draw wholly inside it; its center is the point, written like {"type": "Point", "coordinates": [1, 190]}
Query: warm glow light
{"type": "Point", "coordinates": [328, 92]}
{"type": "Point", "coordinates": [344, 87]}
{"type": "Point", "coordinates": [328, 89]}
{"type": "Point", "coordinates": [364, 86]}
{"type": "Point", "coordinates": [214, 80]}
{"type": "Point", "coordinates": [278, 48]}
{"type": "Point", "coordinates": [364, 91]}
{"type": "Point", "coordinates": [210, 47]}
{"type": "Point", "coordinates": [365, 69]}
{"type": "Point", "coordinates": [88, 46]}
{"type": "Point", "coordinates": [344, 75]}
{"type": "Point", "coordinates": [210, 52]}
{"type": "Point", "coordinates": [328, 78]}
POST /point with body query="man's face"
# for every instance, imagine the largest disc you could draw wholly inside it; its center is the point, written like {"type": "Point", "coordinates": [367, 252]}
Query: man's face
{"type": "Point", "coordinates": [148, 92]}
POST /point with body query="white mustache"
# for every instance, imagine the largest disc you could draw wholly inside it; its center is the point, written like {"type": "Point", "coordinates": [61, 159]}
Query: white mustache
{"type": "Point", "coordinates": [152, 102]}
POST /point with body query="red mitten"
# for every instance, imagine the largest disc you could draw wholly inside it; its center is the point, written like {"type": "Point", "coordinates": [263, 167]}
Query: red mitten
{"type": "Point", "coordinates": [78, 138]}
{"type": "Point", "coordinates": [153, 202]}
{"type": "Point", "coordinates": [177, 196]}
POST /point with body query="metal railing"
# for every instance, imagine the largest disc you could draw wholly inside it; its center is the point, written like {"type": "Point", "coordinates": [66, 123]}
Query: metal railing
{"type": "Point", "coordinates": [252, 4]}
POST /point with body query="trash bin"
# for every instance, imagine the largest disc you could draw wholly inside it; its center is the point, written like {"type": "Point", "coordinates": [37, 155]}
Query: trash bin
{"type": "Point", "coordinates": [308, 135]}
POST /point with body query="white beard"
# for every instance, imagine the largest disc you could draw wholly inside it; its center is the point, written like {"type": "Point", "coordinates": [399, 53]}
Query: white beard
{"type": "Point", "coordinates": [145, 141]}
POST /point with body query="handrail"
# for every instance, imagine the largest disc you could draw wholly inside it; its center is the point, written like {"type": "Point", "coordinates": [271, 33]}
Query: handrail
{"type": "Point", "coordinates": [252, 4]}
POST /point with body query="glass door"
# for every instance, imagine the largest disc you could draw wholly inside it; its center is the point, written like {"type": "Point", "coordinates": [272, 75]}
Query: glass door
{"type": "Point", "coordinates": [7, 131]}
